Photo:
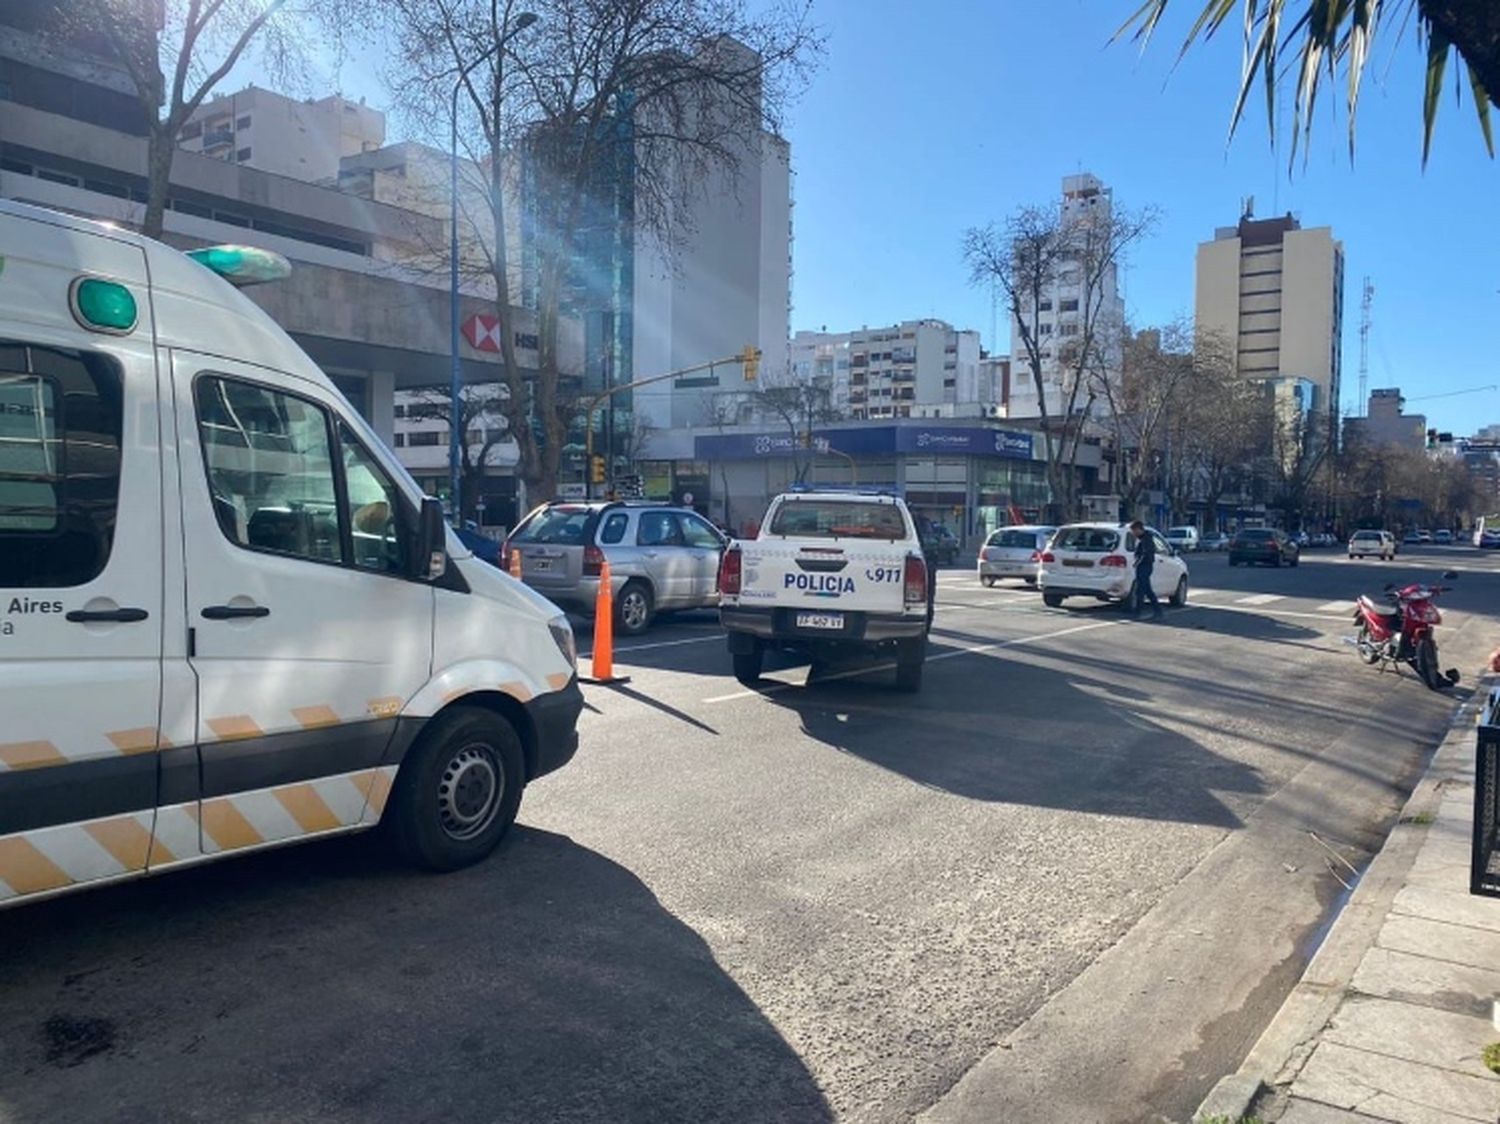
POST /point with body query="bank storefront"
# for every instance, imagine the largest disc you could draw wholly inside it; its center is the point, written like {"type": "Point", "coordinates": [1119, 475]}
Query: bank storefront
{"type": "Point", "coordinates": [971, 478]}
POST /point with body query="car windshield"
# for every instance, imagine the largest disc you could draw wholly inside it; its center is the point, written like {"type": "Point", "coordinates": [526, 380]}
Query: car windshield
{"type": "Point", "coordinates": [838, 519]}
{"type": "Point", "coordinates": [554, 526]}
{"type": "Point", "coordinates": [1018, 540]}
{"type": "Point", "coordinates": [1100, 540]}
{"type": "Point", "coordinates": [1180, 533]}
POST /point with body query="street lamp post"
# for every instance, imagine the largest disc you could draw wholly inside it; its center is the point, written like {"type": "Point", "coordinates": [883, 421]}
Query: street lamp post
{"type": "Point", "coordinates": [456, 433]}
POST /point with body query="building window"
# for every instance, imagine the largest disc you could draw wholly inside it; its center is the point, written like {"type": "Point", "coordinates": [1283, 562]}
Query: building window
{"type": "Point", "coordinates": [429, 439]}
{"type": "Point", "coordinates": [242, 155]}
{"type": "Point", "coordinates": [243, 122]}
{"type": "Point", "coordinates": [56, 177]}
{"type": "Point", "coordinates": [399, 411]}
{"type": "Point", "coordinates": [399, 441]}
{"type": "Point", "coordinates": [1044, 329]}
{"type": "Point", "coordinates": [1070, 305]}
{"type": "Point", "coordinates": [1045, 306]}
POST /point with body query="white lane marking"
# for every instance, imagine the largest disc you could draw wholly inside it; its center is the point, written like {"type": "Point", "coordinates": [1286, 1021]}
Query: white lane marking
{"type": "Point", "coordinates": [1260, 599]}
{"type": "Point", "coordinates": [1272, 612]}
{"type": "Point", "coordinates": [1344, 608]}
{"type": "Point", "coordinates": [662, 644]}
{"type": "Point", "coordinates": [974, 650]}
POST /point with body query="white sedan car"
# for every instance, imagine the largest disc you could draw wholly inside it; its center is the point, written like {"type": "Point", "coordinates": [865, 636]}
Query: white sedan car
{"type": "Point", "coordinates": [1098, 560]}
{"type": "Point", "coordinates": [1013, 552]}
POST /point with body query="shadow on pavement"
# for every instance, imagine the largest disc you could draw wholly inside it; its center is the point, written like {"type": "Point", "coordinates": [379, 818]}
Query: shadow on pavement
{"type": "Point", "coordinates": [319, 982]}
{"type": "Point", "coordinates": [1051, 745]}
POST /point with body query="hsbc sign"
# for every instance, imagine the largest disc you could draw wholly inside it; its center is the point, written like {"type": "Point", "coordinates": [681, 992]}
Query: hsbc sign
{"type": "Point", "coordinates": [482, 330]}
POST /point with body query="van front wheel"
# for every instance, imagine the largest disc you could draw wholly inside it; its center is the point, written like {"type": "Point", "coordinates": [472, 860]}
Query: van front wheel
{"type": "Point", "coordinates": [458, 790]}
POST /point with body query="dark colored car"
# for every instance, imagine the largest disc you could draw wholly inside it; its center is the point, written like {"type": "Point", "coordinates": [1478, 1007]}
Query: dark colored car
{"type": "Point", "coordinates": [938, 543]}
{"type": "Point", "coordinates": [483, 547]}
{"type": "Point", "coordinates": [1263, 544]}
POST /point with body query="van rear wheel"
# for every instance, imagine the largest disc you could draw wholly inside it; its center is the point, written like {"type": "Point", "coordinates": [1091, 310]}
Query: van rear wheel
{"type": "Point", "coordinates": [458, 790]}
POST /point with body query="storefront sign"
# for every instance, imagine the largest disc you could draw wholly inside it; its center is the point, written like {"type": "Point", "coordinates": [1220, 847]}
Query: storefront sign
{"type": "Point", "coordinates": [871, 440]}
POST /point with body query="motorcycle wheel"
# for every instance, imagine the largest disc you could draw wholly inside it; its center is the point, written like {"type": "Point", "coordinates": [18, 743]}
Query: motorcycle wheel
{"type": "Point", "coordinates": [1426, 662]}
{"type": "Point", "coordinates": [1366, 646]}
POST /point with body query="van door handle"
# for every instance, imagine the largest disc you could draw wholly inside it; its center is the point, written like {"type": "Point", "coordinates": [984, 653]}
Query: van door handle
{"type": "Point", "coordinates": [233, 612]}
{"type": "Point", "coordinates": [94, 616]}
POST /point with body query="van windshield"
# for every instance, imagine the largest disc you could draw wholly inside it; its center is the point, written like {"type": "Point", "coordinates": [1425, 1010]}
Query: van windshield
{"type": "Point", "coordinates": [1092, 540]}
{"type": "Point", "coordinates": [838, 519]}
{"type": "Point", "coordinates": [556, 526]}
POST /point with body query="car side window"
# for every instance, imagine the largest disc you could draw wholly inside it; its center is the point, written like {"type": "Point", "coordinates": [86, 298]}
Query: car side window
{"type": "Point", "coordinates": [61, 418]}
{"type": "Point", "coordinates": [269, 457]}
{"type": "Point", "coordinates": [373, 507]}
{"type": "Point", "coordinates": [658, 528]}
{"type": "Point", "coordinates": [697, 533]}
{"type": "Point", "coordinates": [613, 531]}
{"type": "Point", "coordinates": [1161, 544]}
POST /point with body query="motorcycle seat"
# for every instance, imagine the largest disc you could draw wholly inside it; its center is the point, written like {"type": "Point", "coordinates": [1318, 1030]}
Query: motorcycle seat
{"type": "Point", "coordinates": [1368, 602]}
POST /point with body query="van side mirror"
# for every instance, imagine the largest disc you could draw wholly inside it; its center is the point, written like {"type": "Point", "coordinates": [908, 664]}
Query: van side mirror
{"type": "Point", "coordinates": [429, 550]}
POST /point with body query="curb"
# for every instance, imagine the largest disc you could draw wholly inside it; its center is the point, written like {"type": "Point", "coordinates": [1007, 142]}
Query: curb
{"type": "Point", "coordinates": [1288, 1041]}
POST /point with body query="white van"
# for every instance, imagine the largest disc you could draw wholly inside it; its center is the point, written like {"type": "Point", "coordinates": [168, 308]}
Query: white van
{"type": "Point", "coordinates": [228, 617]}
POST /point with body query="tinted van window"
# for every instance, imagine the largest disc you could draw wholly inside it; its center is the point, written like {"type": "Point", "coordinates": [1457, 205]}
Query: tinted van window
{"type": "Point", "coordinates": [60, 424]}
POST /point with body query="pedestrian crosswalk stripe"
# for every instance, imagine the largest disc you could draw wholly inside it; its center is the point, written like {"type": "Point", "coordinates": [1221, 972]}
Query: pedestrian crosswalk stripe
{"type": "Point", "coordinates": [1336, 607]}
{"type": "Point", "coordinates": [1260, 599]}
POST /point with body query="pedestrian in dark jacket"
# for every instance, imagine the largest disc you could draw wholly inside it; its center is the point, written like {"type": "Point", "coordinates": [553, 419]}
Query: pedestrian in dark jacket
{"type": "Point", "coordinates": [1145, 563]}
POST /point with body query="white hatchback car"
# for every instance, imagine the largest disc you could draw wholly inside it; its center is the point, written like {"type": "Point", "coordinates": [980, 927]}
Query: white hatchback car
{"type": "Point", "coordinates": [1013, 552]}
{"type": "Point", "coordinates": [1098, 560]}
{"type": "Point", "coordinates": [1382, 544]}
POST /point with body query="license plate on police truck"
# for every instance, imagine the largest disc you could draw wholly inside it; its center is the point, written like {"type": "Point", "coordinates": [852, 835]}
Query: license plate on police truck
{"type": "Point", "coordinates": [831, 621]}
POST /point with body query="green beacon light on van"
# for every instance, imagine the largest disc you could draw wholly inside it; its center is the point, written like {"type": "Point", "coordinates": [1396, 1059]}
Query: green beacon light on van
{"type": "Point", "coordinates": [103, 306]}
{"type": "Point", "coordinates": [243, 265]}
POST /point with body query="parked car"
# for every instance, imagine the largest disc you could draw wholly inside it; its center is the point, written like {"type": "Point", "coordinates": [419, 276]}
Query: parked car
{"type": "Point", "coordinates": [1488, 538]}
{"type": "Point", "coordinates": [1214, 540]}
{"type": "Point", "coordinates": [1013, 552]}
{"type": "Point", "coordinates": [1268, 545]}
{"type": "Point", "coordinates": [1412, 538]}
{"type": "Point", "coordinates": [1382, 544]}
{"type": "Point", "coordinates": [480, 544]}
{"type": "Point", "coordinates": [1183, 539]}
{"type": "Point", "coordinates": [1301, 538]}
{"type": "Point", "coordinates": [939, 544]}
{"type": "Point", "coordinates": [660, 557]}
{"type": "Point", "coordinates": [1098, 560]}
{"type": "Point", "coordinates": [1443, 537]}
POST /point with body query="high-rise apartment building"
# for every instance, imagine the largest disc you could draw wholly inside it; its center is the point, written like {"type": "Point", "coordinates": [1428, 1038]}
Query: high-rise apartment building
{"type": "Point", "coordinates": [1085, 199]}
{"type": "Point", "coordinates": [1275, 293]}
{"type": "Point", "coordinates": [889, 372]}
{"type": "Point", "coordinates": [284, 136]}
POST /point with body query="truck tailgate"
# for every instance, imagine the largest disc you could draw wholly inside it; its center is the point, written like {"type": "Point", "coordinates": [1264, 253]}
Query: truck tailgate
{"type": "Point", "coordinates": [852, 576]}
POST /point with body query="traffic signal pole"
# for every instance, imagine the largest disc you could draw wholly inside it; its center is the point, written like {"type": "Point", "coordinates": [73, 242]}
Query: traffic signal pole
{"type": "Point", "coordinates": [750, 364]}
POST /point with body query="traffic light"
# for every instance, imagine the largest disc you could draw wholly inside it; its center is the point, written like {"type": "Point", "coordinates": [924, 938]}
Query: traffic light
{"type": "Point", "coordinates": [1431, 438]}
{"type": "Point", "coordinates": [596, 469]}
{"type": "Point", "coordinates": [750, 360]}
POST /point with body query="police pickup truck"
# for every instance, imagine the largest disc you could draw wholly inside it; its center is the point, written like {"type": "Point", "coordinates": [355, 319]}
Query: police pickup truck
{"type": "Point", "coordinates": [829, 572]}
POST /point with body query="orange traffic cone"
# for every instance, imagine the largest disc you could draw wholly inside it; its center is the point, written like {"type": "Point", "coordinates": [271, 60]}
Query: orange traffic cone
{"type": "Point", "coordinates": [515, 563]}
{"type": "Point", "coordinates": [604, 631]}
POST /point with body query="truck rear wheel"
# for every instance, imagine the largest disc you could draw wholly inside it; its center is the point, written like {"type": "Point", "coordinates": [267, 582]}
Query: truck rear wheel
{"type": "Point", "coordinates": [458, 791]}
{"type": "Point", "coordinates": [911, 658]}
{"type": "Point", "coordinates": [747, 665]}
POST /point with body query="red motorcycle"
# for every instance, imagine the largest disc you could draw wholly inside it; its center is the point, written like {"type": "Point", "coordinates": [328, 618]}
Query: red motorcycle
{"type": "Point", "coordinates": [1400, 631]}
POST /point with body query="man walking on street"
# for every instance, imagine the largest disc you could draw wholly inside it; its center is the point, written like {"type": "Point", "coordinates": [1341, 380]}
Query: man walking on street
{"type": "Point", "coordinates": [1145, 562]}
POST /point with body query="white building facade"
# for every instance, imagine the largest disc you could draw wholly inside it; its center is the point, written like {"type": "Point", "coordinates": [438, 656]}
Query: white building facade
{"type": "Point", "coordinates": [284, 136]}
{"type": "Point", "coordinates": [1064, 316]}
{"type": "Point", "coordinates": [895, 371]}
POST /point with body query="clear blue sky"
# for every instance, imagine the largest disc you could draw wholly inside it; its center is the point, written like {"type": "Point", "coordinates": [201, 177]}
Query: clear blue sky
{"type": "Point", "coordinates": [926, 119]}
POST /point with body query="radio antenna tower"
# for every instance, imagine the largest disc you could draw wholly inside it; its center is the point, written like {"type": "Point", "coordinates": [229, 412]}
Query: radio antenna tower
{"type": "Point", "coordinates": [1366, 297]}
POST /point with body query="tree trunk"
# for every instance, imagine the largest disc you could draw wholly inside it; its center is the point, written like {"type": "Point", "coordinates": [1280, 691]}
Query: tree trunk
{"type": "Point", "coordinates": [161, 148]}
{"type": "Point", "coordinates": [1473, 26]}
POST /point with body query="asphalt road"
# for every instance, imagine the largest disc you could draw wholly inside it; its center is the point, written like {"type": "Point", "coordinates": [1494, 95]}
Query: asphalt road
{"type": "Point", "coordinates": [1071, 879]}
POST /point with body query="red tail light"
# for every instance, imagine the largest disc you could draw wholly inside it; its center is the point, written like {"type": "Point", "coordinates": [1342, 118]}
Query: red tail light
{"type": "Point", "coordinates": [731, 573]}
{"type": "Point", "coordinates": [916, 581]}
{"type": "Point", "coordinates": [1038, 556]}
{"type": "Point", "coordinates": [1048, 556]}
{"type": "Point", "coordinates": [593, 561]}
{"type": "Point", "coordinates": [1117, 560]}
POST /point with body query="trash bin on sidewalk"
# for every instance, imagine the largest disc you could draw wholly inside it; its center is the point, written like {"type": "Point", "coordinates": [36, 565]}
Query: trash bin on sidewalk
{"type": "Point", "coordinates": [1484, 865]}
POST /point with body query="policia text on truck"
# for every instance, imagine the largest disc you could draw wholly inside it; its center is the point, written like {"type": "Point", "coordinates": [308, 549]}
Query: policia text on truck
{"type": "Point", "coordinates": [228, 617]}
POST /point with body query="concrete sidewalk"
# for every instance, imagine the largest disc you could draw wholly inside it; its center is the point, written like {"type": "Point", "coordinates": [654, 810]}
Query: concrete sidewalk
{"type": "Point", "coordinates": [1393, 1013]}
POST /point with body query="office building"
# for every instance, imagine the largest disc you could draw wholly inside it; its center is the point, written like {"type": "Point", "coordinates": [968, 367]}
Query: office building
{"type": "Point", "coordinates": [1385, 425]}
{"type": "Point", "coordinates": [1275, 292]}
{"type": "Point", "coordinates": [1062, 314]}
{"type": "Point", "coordinates": [893, 371]}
